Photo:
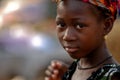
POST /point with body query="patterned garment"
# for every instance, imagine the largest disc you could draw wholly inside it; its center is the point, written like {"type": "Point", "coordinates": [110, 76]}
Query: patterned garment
{"type": "Point", "coordinates": [104, 73]}
{"type": "Point", "coordinates": [111, 5]}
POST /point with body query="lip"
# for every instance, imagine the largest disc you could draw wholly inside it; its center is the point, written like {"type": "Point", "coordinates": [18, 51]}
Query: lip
{"type": "Point", "coordinates": [71, 49]}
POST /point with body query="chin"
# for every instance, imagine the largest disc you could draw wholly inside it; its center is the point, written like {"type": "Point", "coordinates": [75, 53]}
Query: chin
{"type": "Point", "coordinates": [75, 57]}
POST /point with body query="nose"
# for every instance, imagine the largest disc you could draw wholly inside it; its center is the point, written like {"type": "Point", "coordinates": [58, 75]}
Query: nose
{"type": "Point", "coordinates": [69, 35]}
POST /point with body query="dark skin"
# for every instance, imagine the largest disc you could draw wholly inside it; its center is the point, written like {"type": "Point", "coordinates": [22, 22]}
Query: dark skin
{"type": "Point", "coordinates": [81, 33]}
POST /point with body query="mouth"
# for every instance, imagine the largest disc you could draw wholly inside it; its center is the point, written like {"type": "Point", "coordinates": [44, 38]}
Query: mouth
{"type": "Point", "coordinates": [71, 49]}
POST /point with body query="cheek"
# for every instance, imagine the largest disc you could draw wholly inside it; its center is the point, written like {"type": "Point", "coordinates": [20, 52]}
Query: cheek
{"type": "Point", "coordinates": [91, 40]}
{"type": "Point", "coordinates": [60, 36]}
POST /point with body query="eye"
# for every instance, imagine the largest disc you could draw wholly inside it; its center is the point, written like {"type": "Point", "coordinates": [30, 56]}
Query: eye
{"type": "Point", "coordinates": [79, 26]}
{"type": "Point", "coordinates": [61, 24]}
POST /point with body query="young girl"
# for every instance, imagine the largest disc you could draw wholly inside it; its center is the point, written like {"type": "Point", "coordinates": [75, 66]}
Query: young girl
{"type": "Point", "coordinates": [81, 27]}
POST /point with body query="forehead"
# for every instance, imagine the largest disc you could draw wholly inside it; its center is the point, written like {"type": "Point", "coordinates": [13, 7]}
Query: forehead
{"type": "Point", "coordinates": [74, 8]}
{"type": "Point", "coordinates": [72, 3]}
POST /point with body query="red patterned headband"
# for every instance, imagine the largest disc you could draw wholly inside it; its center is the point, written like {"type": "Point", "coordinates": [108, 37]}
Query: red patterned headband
{"type": "Point", "coordinates": [110, 5]}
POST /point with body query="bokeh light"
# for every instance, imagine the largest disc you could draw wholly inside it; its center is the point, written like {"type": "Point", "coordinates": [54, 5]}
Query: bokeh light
{"type": "Point", "coordinates": [1, 20]}
{"type": "Point", "coordinates": [37, 41]}
{"type": "Point", "coordinates": [18, 33]}
{"type": "Point", "coordinates": [12, 6]}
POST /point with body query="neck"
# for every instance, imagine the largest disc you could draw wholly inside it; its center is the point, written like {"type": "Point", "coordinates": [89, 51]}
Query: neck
{"type": "Point", "coordinates": [96, 57]}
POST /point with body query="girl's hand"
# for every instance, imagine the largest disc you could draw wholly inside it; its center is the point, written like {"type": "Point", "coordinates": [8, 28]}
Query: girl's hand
{"type": "Point", "coordinates": [56, 70]}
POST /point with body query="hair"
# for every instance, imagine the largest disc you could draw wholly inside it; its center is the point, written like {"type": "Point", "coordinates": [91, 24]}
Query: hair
{"type": "Point", "coordinates": [103, 13]}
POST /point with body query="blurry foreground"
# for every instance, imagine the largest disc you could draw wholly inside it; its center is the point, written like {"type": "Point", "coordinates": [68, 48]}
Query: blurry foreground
{"type": "Point", "coordinates": [28, 40]}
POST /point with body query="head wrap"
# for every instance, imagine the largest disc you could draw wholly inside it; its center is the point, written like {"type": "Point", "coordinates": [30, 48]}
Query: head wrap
{"type": "Point", "coordinates": [110, 5]}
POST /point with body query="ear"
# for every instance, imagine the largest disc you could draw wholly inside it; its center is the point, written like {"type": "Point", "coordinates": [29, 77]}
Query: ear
{"type": "Point", "coordinates": [108, 25]}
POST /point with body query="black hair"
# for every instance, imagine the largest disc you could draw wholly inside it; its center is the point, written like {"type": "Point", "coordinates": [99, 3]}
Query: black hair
{"type": "Point", "coordinates": [105, 13]}
{"type": "Point", "coordinates": [102, 13]}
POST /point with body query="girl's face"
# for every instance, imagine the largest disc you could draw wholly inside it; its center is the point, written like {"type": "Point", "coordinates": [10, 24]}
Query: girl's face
{"type": "Point", "coordinates": [78, 28]}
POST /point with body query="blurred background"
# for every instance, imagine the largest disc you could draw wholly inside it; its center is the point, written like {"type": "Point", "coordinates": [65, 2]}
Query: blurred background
{"type": "Point", "coordinates": [28, 40]}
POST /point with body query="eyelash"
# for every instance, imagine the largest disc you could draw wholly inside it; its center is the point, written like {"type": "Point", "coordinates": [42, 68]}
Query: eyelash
{"type": "Point", "coordinates": [61, 25]}
{"type": "Point", "coordinates": [79, 26]}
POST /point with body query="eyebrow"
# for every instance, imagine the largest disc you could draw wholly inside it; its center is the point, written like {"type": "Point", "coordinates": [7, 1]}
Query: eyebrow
{"type": "Point", "coordinates": [72, 19]}
{"type": "Point", "coordinates": [75, 19]}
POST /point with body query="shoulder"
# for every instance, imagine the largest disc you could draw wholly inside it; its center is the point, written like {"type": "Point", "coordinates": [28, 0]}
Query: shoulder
{"type": "Point", "coordinates": [107, 72]}
{"type": "Point", "coordinates": [115, 76]}
{"type": "Point", "coordinates": [113, 72]}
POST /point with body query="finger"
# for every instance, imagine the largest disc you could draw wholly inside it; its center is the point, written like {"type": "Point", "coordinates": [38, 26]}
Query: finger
{"type": "Point", "coordinates": [53, 63]}
{"type": "Point", "coordinates": [56, 72]}
{"type": "Point", "coordinates": [47, 78]}
{"type": "Point", "coordinates": [56, 64]}
{"type": "Point", "coordinates": [50, 68]}
{"type": "Point", "coordinates": [56, 77]}
{"type": "Point", "coordinates": [51, 78]}
{"type": "Point", "coordinates": [59, 64]}
{"type": "Point", "coordinates": [48, 73]}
